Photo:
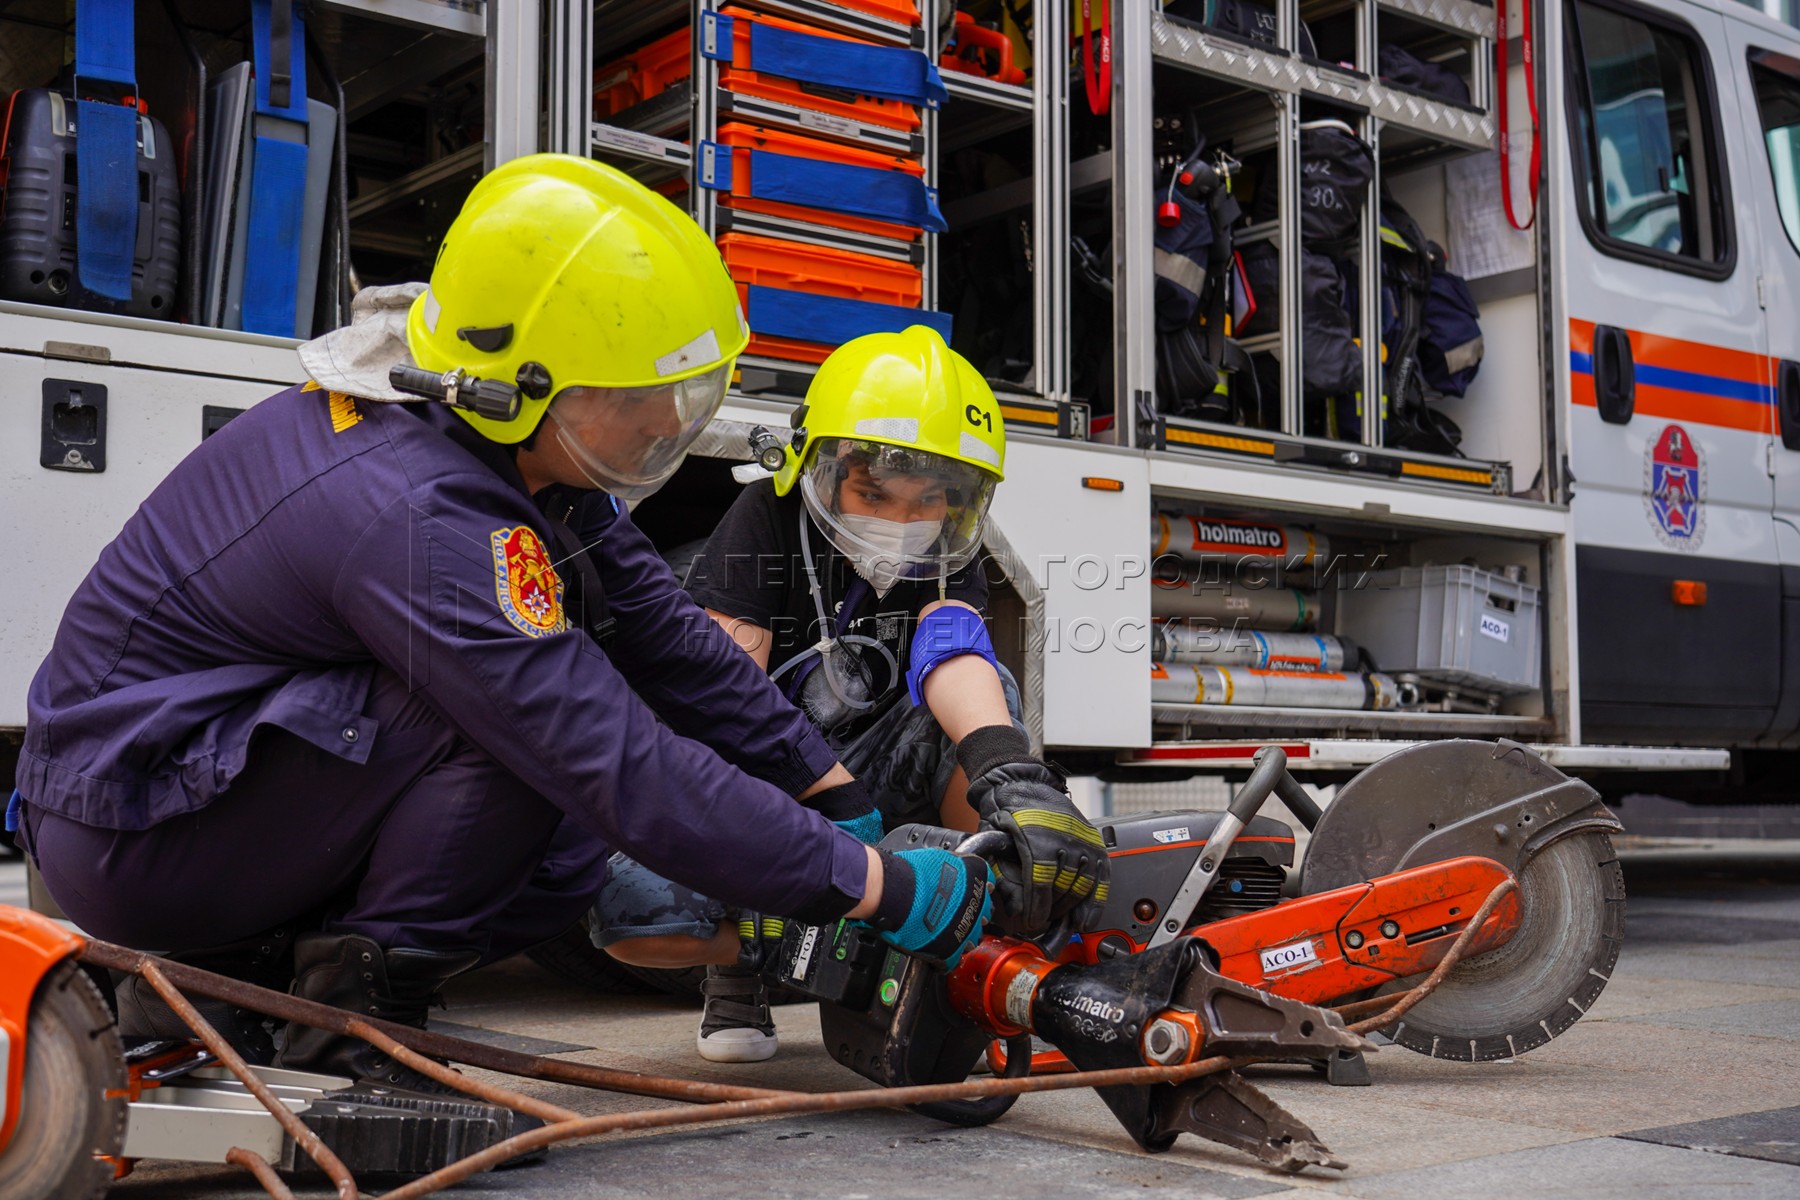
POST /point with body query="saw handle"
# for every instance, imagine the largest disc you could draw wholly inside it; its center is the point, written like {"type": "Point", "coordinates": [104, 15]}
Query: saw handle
{"type": "Point", "coordinates": [1266, 777]}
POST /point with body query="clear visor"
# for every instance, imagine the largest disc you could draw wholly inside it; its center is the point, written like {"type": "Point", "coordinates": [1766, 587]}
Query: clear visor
{"type": "Point", "coordinates": [920, 513]}
{"type": "Point", "coordinates": [630, 440]}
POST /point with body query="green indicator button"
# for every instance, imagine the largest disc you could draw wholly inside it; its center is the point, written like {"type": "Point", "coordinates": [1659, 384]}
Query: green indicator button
{"type": "Point", "coordinates": [890, 990]}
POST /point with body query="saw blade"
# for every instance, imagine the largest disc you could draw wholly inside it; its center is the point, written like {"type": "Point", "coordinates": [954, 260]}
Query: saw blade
{"type": "Point", "coordinates": [1516, 998]}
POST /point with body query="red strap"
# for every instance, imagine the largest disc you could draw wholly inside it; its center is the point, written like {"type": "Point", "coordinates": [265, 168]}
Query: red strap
{"type": "Point", "coordinates": [1097, 77]}
{"type": "Point", "coordinates": [1500, 73]}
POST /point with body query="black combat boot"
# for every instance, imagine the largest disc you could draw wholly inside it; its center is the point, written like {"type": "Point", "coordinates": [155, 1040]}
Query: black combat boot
{"type": "Point", "coordinates": [352, 972]}
{"type": "Point", "coordinates": [266, 960]}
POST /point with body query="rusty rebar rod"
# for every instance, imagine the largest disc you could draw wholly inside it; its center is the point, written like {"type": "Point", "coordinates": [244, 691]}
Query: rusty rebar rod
{"type": "Point", "coordinates": [492, 1093]}
{"type": "Point", "coordinates": [284, 1007]}
{"type": "Point", "coordinates": [1452, 956]}
{"type": "Point", "coordinates": [1396, 1004]}
{"type": "Point", "coordinates": [259, 1166]}
{"type": "Point", "coordinates": [850, 1101]}
{"type": "Point", "coordinates": [213, 1040]}
{"type": "Point", "coordinates": [929, 1093]}
{"type": "Point", "coordinates": [567, 1126]}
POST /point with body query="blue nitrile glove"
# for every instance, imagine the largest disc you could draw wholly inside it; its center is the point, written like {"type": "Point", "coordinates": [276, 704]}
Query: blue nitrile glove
{"type": "Point", "coordinates": [933, 903]}
{"type": "Point", "coordinates": [850, 807]}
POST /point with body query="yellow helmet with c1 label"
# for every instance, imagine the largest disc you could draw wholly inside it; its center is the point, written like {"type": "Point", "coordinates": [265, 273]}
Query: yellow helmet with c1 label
{"type": "Point", "coordinates": [901, 389]}
{"type": "Point", "coordinates": [906, 413]}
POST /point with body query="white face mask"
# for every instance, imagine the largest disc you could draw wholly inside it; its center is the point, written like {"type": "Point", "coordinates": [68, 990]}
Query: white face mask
{"type": "Point", "coordinates": [894, 546]}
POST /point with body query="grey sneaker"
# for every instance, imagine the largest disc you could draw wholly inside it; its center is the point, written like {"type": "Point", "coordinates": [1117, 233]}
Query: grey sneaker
{"type": "Point", "coordinates": [736, 1025]}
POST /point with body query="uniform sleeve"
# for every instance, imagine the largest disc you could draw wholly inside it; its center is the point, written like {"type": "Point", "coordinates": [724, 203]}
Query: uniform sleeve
{"type": "Point", "coordinates": [690, 671]}
{"type": "Point", "coordinates": [444, 588]}
{"type": "Point", "coordinates": [743, 572]}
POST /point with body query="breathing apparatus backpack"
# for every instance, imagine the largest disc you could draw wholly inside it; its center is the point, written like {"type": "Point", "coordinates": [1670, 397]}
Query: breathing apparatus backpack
{"type": "Point", "coordinates": [1199, 368]}
{"type": "Point", "coordinates": [41, 210]}
{"type": "Point", "coordinates": [1432, 333]}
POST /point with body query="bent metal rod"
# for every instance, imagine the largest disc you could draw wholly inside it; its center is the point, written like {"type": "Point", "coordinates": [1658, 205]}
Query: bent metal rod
{"type": "Point", "coordinates": [717, 1102]}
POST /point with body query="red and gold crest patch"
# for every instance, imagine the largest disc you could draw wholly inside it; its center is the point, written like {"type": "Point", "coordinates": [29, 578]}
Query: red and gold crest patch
{"type": "Point", "coordinates": [527, 586]}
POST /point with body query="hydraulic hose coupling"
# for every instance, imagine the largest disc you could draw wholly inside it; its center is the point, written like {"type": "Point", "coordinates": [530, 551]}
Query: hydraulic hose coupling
{"type": "Point", "coordinates": [996, 982]}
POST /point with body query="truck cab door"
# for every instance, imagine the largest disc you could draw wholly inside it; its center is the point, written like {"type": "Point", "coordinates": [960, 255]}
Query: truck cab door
{"type": "Point", "coordinates": [1767, 62]}
{"type": "Point", "coordinates": [1669, 422]}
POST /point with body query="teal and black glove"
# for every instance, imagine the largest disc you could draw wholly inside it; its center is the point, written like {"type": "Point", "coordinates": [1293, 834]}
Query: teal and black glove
{"type": "Point", "coordinates": [933, 903]}
{"type": "Point", "coordinates": [850, 807]}
{"type": "Point", "coordinates": [1058, 867]}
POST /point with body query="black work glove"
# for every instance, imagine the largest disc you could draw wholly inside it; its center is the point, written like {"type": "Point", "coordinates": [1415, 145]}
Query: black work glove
{"type": "Point", "coordinates": [1060, 868]}
{"type": "Point", "coordinates": [759, 940]}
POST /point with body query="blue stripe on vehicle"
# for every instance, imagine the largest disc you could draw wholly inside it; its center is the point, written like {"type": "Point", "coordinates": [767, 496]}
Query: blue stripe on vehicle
{"type": "Point", "coordinates": [1684, 381]}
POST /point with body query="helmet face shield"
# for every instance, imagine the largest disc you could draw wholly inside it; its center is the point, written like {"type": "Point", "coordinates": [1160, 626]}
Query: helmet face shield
{"type": "Point", "coordinates": [628, 441]}
{"type": "Point", "coordinates": [905, 513]}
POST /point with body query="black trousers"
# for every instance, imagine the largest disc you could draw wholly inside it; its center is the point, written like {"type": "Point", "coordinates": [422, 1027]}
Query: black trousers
{"type": "Point", "coordinates": [430, 845]}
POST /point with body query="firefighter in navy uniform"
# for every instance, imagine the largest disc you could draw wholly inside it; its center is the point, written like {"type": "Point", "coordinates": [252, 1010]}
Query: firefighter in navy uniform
{"type": "Point", "coordinates": [347, 682]}
{"type": "Point", "coordinates": [853, 578]}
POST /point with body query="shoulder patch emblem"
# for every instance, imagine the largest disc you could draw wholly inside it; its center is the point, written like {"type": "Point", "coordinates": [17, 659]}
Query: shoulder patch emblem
{"type": "Point", "coordinates": [344, 412]}
{"type": "Point", "coordinates": [527, 586]}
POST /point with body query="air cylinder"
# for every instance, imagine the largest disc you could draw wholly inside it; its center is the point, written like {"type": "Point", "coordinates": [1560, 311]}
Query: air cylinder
{"type": "Point", "coordinates": [1211, 539]}
{"type": "Point", "coordinates": [1247, 648]}
{"type": "Point", "coordinates": [1230, 601]}
{"type": "Point", "coordinates": [1186, 683]}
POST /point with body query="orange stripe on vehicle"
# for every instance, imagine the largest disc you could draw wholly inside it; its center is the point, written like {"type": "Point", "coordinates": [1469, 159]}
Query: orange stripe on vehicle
{"type": "Point", "coordinates": [1655, 350]}
{"type": "Point", "coordinates": [1581, 336]}
{"type": "Point", "coordinates": [1581, 389]}
{"type": "Point", "coordinates": [1670, 404]}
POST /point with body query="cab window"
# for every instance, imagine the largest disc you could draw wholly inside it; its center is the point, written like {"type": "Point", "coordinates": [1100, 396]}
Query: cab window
{"type": "Point", "coordinates": [1777, 82]}
{"type": "Point", "coordinates": [1647, 163]}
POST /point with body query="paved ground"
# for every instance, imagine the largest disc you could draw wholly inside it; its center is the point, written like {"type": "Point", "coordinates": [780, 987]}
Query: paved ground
{"type": "Point", "coordinates": [1683, 1081]}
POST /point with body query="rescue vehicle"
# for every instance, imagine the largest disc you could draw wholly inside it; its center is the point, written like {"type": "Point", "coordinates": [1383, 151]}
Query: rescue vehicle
{"type": "Point", "coordinates": [1595, 548]}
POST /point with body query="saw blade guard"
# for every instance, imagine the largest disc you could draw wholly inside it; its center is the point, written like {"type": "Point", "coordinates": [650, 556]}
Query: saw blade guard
{"type": "Point", "coordinates": [1496, 800]}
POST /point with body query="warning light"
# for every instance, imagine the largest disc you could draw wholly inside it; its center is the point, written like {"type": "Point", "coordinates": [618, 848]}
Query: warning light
{"type": "Point", "coordinates": [1101, 484]}
{"type": "Point", "coordinates": [1690, 592]}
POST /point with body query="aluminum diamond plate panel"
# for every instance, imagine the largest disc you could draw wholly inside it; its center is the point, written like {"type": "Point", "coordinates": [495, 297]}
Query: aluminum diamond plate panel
{"type": "Point", "coordinates": [1186, 46]}
{"type": "Point", "coordinates": [1458, 16]}
{"type": "Point", "coordinates": [1448, 122]}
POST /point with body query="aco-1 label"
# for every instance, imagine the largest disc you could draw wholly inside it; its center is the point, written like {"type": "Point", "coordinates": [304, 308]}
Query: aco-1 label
{"type": "Point", "coordinates": [1285, 958]}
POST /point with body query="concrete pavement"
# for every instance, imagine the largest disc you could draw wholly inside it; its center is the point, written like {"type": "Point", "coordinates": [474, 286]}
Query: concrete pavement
{"type": "Point", "coordinates": [1684, 1080]}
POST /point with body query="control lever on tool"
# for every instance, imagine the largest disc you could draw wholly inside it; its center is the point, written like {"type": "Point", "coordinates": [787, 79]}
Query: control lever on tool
{"type": "Point", "coordinates": [1270, 770]}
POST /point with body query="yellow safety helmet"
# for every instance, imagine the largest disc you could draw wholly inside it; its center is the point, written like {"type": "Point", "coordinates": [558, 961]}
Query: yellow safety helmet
{"type": "Point", "coordinates": [901, 389]}
{"type": "Point", "coordinates": [561, 272]}
{"type": "Point", "coordinates": [887, 406]}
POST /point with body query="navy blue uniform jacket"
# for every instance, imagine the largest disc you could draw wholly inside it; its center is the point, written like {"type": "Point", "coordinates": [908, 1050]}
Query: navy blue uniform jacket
{"type": "Point", "coordinates": [317, 537]}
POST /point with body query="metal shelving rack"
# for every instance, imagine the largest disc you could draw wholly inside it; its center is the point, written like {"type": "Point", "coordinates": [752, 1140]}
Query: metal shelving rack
{"type": "Point", "coordinates": [655, 139]}
{"type": "Point", "coordinates": [1043, 405]}
{"type": "Point", "coordinates": [372, 53]}
{"type": "Point", "coordinates": [1144, 40]}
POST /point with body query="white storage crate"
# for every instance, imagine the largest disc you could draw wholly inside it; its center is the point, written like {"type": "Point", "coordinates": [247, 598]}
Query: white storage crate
{"type": "Point", "coordinates": [1455, 624]}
